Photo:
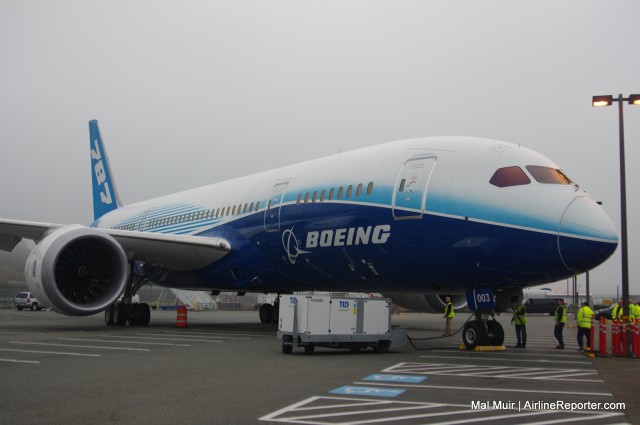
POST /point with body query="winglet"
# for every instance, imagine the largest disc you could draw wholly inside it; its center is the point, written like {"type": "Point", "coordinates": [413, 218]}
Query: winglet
{"type": "Point", "coordinates": [105, 195]}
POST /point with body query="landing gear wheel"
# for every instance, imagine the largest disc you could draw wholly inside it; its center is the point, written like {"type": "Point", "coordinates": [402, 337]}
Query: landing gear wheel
{"type": "Point", "coordinates": [120, 314]}
{"type": "Point", "coordinates": [34, 307]}
{"type": "Point", "coordinates": [144, 314]}
{"type": "Point", "coordinates": [108, 315]}
{"type": "Point", "coordinates": [266, 313]}
{"type": "Point", "coordinates": [474, 334]}
{"type": "Point", "coordinates": [140, 315]}
{"type": "Point", "coordinates": [496, 333]}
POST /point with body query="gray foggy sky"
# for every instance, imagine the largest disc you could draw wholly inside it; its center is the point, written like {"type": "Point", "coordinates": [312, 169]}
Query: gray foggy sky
{"type": "Point", "coordinates": [194, 92]}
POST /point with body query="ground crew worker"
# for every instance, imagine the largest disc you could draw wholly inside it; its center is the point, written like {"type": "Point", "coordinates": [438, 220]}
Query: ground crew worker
{"type": "Point", "coordinates": [634, 313]}
{"type": "Point", "coordinates": [561, 319]}
{"type": "Point", "coordinates": [617, 312]}
{"type": "Point", "coordinates": [448, 315]}
{"type": "Point", "coordinates": [520, 321]}
{"type": "Point", "coordinates": [583, 319]}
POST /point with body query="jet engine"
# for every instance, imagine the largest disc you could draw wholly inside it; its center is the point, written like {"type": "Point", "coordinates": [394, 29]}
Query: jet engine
{"type": "Point", "coordinates": [426, 303]}
{"type": "Point", "coordinates": [77, 270]}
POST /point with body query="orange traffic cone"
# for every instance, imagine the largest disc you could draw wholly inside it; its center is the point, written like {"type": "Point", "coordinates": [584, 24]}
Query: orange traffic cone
{"type": "Point", "coordinates": [181, 321]}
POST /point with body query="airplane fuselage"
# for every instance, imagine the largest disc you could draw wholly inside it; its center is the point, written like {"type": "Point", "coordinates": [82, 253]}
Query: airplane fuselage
{"type": "Point", "coordinates": [422, 215]}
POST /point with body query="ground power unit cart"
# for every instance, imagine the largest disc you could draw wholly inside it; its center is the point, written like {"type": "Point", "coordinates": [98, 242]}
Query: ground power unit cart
{"type": "Point", "coordinates": [337, 322]}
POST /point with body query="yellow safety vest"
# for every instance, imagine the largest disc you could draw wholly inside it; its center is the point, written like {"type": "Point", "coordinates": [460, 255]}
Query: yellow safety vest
{"type": "Point", "coordinates": [583, 317]}
{"type": "Point", "coordinates": [449, 309]}
{"type": "Point", "coordinates": [616, 313]}
{"type": "Point", "coordinates": [520, 315]}
{"type": "Point", "coordinates": [561, 314]}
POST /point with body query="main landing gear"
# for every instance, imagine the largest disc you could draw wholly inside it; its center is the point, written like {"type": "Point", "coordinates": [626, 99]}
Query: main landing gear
{"type": "Point", "coordinates": [124, 309]}
{"type": "Point", "coordinates": [269, 312]}
{"type": "Point", "coordinates": [120, 313]}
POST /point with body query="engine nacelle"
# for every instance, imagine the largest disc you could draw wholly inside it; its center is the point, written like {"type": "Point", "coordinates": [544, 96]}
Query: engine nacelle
{"type": "Point", "coordinates": [77, 270]}
{"type": "Point", "coordinates": [426, 303]}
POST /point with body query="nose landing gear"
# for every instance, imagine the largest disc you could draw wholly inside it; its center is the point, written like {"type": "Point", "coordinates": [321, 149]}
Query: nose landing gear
{"type": "Point", "coordinates": [484, 329]}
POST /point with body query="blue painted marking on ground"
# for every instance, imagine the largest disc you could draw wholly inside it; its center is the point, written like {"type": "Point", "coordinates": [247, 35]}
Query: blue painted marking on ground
{"type": "Point", "coordinates": [413, 379]}
{"type": "Point", "coordinates": [367, 391]}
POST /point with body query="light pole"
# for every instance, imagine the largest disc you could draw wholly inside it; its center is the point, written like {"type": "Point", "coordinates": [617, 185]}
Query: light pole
{"type": "Point", "coordinates": [607, 100]}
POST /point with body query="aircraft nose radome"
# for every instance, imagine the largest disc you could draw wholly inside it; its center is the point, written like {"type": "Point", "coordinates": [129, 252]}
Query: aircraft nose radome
{"type": "Point", "coordinates": [586, 235]}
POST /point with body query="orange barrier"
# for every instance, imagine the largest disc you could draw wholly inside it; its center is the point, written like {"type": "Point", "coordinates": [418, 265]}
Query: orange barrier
{"type": "Point", "coordinates": [615, 338]}
{"type": "Point", "coordinates": [592, 333]}
{"type": "Point", "coordinates": [623, 329]}
{"type": "Point", "coordinates": [181, 320]}
{"type": "Point", "coordinates": [636, 339]}
{"type": "Point", "coordinates": [603, 337]}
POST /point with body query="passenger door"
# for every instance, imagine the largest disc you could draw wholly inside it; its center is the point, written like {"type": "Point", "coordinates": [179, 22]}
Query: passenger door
{"type": "Point", "coordinates": [272, 212]}
{"type": "Point", "coordinates": [410, 192]}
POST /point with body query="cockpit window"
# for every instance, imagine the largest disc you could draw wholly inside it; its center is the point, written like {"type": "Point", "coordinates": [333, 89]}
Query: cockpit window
{"type": "Point", "coordinates": [548, 175]}
{"type": "Point", "coordinates": [509, 176]}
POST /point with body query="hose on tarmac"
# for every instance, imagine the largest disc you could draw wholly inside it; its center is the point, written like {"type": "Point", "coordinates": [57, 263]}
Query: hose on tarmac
{"type": "Point", "coordinates": [411, 340]}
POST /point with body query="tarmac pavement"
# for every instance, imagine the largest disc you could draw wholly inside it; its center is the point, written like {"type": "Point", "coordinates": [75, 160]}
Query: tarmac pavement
{"type": "Point", "coordinates": [226, 368]}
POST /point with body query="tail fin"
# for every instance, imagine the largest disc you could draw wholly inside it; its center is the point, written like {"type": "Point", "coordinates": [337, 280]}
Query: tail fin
{"type": "Point", "coordinates": [105, 195]}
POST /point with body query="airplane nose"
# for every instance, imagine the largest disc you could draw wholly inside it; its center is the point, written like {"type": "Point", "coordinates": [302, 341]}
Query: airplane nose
{"type": "Point", "coordinates": [586, 235]}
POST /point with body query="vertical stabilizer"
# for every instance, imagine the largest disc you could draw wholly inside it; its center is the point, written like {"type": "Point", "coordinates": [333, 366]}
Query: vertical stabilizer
{"type": "Point", "coordinates": [105, 195]}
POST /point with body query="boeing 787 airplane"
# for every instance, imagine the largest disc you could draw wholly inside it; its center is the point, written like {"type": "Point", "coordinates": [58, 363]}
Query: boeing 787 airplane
{"type": "Point", "coordinates": [415, 219]}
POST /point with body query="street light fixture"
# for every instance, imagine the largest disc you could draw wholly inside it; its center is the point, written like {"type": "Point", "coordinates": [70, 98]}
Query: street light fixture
{"type": "Point", "coordinates": [608, 100]}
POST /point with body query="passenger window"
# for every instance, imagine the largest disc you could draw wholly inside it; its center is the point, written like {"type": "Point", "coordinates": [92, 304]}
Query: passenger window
{"type": "Point", "coordinates": [306, 198]}
{"type": "Point", "coordinates": [509, 176]}
{"type": "Point", "coordinates": [322, 195]}
{"type": "Point", "coordinates": [359, 190]}
{"type": "Point", "coordinates": [299, 199]}
{"type": "Point", "coordinates": [331, 194]}
{"type": "Point", "coordinates": [349, 190]}
{"type": "Point", "coordinates": [251, 207]}
{"type": "Point", "coordinates": [315, 196]}
{"type": "Point", "coordinates": [257, 205]}
{"type": "Point", "coordinates": [548, 175]}
{"type": "Point", "coordinates": [369, 188]}
{"type": "Point", "coordinates": [401, 185]}
{"type": "Point", "coordinates": [340, 193]}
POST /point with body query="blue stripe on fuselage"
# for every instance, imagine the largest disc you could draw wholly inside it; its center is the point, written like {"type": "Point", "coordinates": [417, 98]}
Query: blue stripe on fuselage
{"type": "Point", "coordinates": [432, 253]}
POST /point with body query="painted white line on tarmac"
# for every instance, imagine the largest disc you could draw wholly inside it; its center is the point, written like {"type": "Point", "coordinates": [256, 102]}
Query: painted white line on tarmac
{"type": "Point", "coordinates": [124, 342]}
{"type": "Point", "coordinates": [485, 389]}
{"type": "Point", "coordinates": [160, 337]}
{"type": "Point", "coordinates": [19, 361]}
{"type": "Point", "coordinates": [511, 359]}
{"type": "Point", "coordinates": [62, 353]}
{"type": "Point", "coordinates": [79, 346]}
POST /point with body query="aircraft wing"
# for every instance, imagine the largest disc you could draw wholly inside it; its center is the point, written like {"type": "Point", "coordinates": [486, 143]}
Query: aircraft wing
{"type": "Point", "coordinates": [13, 231]}
{"type": "Point", "coordinates": [176, 252]}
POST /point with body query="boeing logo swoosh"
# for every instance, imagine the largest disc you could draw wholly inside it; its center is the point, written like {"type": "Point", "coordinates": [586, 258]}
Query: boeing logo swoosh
{"type": "Point", "coordinates": [291, 245]}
